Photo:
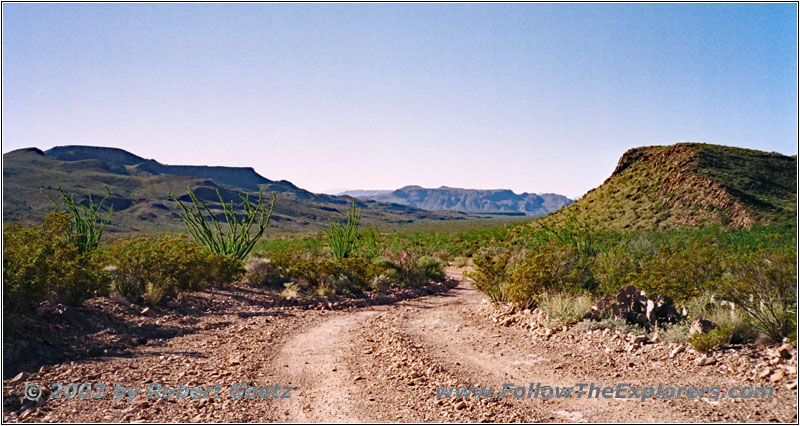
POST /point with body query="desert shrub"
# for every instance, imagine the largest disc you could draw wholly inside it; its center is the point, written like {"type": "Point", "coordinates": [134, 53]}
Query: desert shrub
{"type": "Point", "coordinates": [167, 265]}
{"type": "Point", "coordinates": [370, 244]}
{"type": "Point", "coordinates": [291, 290]}
{"type": "Point", "coordinates": [263, 273]}
{"type": "Point", "coordinates": [409, 265]}
{"type": "Point", "coordinates": [723, 313]}
{"type": "Point", "coordinates": [343, 238]}
{"type": "Point", "coordinates": [608, 323]}
{"type": "Point", "coordinates": [381, 282]}
{"type": "Point", "coordinates": [236, 240]}
{"type": "Point", "coordinates": [39, 263]}
{"type": "Point", "coordinates": [564, 309]}
{"type": "Point", "coordinates": [674, 333]}
{"type": "Point", "coordinates": [543, 269]}
{"type": "Point", "coordinates": [764, 284]}
{"type": "Point", "coordinates": [352, 274]}
{"type": "Point", "coordinates": [682, 272]}
{"type": "Point", "coordinates": [614, 269]}
{"type": "Point", "coordinates": [490, 274]}
{"type": "Point", "coordinates": [85, 223]}
{"type": "Point", "coordinates": [705, 342]}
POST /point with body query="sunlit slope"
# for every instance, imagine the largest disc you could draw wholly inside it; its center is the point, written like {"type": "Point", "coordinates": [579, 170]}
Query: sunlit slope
{"type": "Point", "coordinates": [690, 184]}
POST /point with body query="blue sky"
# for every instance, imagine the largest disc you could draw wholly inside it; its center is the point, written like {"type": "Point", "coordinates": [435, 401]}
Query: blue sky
{"type": "Point", "coordinates": [531, 97]}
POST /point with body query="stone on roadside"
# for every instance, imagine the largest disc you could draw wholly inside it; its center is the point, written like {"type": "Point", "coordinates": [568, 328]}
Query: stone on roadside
{"type": "Point", "coordinates": [784, 351]}
{"type": "Point", "coordinates": [706, 360]}
{"type": "Point", "coordinates": [701, 326]}
{"type": "Point", "coordinates": [676, 351]}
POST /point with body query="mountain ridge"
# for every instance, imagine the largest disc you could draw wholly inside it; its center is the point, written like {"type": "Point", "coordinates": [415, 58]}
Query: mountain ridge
{"type": "Point", "coordinates": [691, 184]}
{"type": "Point", "coordinates": [504, 201]}
{"type": "Point", "coordinates": [140, 191]}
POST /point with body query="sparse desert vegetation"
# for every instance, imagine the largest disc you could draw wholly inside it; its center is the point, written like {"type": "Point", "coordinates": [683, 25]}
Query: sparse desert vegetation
{"type": "Point", "coordinates": [710, 288]}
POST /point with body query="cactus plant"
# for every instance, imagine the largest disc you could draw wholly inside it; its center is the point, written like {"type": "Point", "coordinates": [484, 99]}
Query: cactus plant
{"type": "Point", "coordinates": [236, 241]}
{"type": "Point", "coordinates": [85, 223]}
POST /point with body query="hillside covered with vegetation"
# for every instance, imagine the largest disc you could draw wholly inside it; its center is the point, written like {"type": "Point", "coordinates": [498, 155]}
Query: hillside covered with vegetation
{"type": "Point", "coordinates": [690, 184]}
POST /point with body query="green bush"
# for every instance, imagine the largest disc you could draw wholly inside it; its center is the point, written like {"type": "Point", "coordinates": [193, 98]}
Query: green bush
{"type": "Point", "coordinates": [683, 272]}
{"type": "Point", "coordinates": [263, 273]}
{"type": "Point", "coordinates": [39, 263]}
{"type": "Point", "coordinates": [715, 338]}
{"type": "Point", "coordinates": [764, 284]}
{"type": "Point", "coordinates": [155, 268]}
{"type": "Point", "coordinates": [724, 314]}
{"type": "Point", "coordinates": [564, 309]}
{"type": "Point", "coordinates": [543, 269]}
{"type": "Point", "coordinates": [490, 274]}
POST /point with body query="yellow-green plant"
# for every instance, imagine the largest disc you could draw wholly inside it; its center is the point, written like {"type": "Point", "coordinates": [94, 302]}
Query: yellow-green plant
{"type": "Point", "coordinates": [236, 240]}
{"type": "Point", "coordinates": [40, 264]}
{"type": "Point", "coordinates": [343, 238]}
{"type": "Point", "coordinates": [156, 268]}
{"type": "Point", "coordinates": [764, 284]}
{"type": "Point", "coordinates": [705, 342]}
{"type": "Point", "coordinates": [85, 224]}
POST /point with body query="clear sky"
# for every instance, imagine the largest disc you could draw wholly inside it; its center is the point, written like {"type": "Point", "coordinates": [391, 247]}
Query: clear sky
{"type": "Point", "coordinates": [531, 97]}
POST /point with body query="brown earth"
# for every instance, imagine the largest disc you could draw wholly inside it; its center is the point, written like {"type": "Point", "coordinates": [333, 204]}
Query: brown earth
{"type": "Point", "coordinates": [368, 362]}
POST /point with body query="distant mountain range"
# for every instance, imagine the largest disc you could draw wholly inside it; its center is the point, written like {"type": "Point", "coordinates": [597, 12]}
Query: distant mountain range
{"type": "Point", "coordinates": [140, 191]}
{"type": "Point", "coordinates": [503, 201]}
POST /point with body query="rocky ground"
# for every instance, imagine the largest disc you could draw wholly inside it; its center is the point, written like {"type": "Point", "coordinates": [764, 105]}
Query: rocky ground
{"type": "Point", "coordinates": [378, 359]}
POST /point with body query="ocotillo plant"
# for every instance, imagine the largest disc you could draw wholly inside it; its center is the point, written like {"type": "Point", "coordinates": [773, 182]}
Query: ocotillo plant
{"type": "Point", "coordinates": [236, 240]}
{"type": "Point", "coordinates": [343, 238]}
{"type": "Point", "coordinates": [85, 223]}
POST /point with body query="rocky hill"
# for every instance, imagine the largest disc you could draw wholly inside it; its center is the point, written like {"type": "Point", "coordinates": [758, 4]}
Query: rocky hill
{"type": "Point", "coordinates": [140, 190]}
{"type": "Point", "coordinates": [469, 200]}
{"type": "Point", "coordinates": [691, 184]}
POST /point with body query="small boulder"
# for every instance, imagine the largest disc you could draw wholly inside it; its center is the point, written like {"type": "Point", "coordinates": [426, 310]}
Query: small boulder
{"type": "Point", "coordinates": [148, 312]}
{"type": "Point", "coordinates": [777, 376]}
{"type": "Point", "coordinates": [18, 378]}
{"type": "Point", "coordinates": [784, 351]}
{"type": "Point", "coordinates": [701, 326]}
{"type": "Point", "coordinates": [677, 350]}
{"type": "Point", "coordinates": [706, 360]}
{"type": "Point", "coordinates": [71, 316]}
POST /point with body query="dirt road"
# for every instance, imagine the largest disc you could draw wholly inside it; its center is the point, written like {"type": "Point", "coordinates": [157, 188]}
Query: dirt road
{"type": "Point", "coordinates": [383, 364]}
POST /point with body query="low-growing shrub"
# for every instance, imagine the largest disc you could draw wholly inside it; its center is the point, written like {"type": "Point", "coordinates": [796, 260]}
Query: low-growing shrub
{"type": "Point", "coordinates": [726, 315]}
{"type": "Point", "coordinates": [263, 273]}
{"type": "Point", "coordinates": [564, 309]}
{"type": "Point", "coordinates": [381, 282]}
{"type": "Point", "coordinates": [291, 290]}
{"type": "Point", "coordinates": [490, 275]}
{"type": "Point", "coordinates": [682, 272]}
{"type": "Point", "coordinates": [608, 323]}
{"type": "Point", "coordinates": [161, 267]}
{"type": "Point", "coordinates": [764, 284]}
{"type": "Point", "coordinates": [673, 333]}
{"type": "Point", "coordinates": [410, 267]}
{"type": "Point", "coordinates": [705, 342]}
{"type": "Point", "coordinates": [39, 263]}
